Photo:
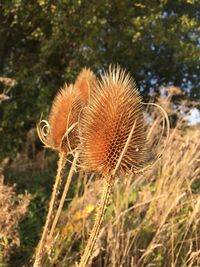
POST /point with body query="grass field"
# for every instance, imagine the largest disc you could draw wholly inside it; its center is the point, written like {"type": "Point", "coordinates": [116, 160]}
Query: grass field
{"type": "Point", "coordinates": [152, 218]}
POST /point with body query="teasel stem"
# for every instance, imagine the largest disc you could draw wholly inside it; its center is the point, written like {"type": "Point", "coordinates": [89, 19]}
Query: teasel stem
{"type": "Point", "coordinates": [103, 204]}
{"type": "Point", "coordinates": [41, 249]}
{"type": "Point", "coordinates": [98, 221]}
{"type": "Point", "coordinates": [66, 188]}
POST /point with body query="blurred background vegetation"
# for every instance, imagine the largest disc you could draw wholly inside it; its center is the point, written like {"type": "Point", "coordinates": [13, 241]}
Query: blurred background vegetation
{"type": "Point", "coordinates": [46, 43]}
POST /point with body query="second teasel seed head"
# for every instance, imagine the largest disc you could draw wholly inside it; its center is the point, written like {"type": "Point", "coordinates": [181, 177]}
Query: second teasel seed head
{"type": "Point", "coordinates": [63, 114]}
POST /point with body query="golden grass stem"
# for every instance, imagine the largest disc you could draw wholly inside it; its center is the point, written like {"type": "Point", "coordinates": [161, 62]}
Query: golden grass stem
{"type": "Point", "coordinates": [98, 221]}
{"type": "Point", "coordinates": [41, 249]}
{"type": "Point", "coordinates": [66, 188]}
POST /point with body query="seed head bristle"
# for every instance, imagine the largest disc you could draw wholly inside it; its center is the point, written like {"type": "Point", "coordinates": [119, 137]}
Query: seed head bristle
{"type": "Point", "coordinates": [64, 113]}
{"type": "Point", "coordinates": [114, 107]}
{"type": "Point", "coordinates": [84, 83]}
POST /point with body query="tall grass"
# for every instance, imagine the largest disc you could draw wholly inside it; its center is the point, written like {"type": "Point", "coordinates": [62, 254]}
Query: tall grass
{"type": "Point", "coordinates": [151, 220]}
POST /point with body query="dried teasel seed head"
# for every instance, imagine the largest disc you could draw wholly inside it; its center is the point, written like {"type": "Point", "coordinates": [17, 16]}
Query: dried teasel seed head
{"type": "Point", "coordinates": [115, 106]}
{"type": "Point", "coordinates": [61, 129]}
{"type": "Point", "coordinates": [84, 83]}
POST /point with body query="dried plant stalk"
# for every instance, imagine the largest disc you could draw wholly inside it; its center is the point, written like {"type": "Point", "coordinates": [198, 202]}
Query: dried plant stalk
{"type": "Point", "coordinates": [59, 133]}
{"type": "Point", "coordinates": [66, 188]}
{"type": "Point", "coordinates": [84, 82]}
{"type": "Point", "coordinates": [41, 248]}
{"type": "Point", "coordinates": [102, 205]}
{"type": "Point", "coordinates": [98, 221]}
{"type": "Point", "coordinates": [113, 137]}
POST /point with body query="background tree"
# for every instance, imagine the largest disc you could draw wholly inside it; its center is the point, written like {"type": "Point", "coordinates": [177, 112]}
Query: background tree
{"type": "Point", "coordinates": [45, 43]}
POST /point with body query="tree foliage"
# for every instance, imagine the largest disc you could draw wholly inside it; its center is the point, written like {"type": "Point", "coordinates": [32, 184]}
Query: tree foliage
{"type": "Point", "coordinates": [46, 43]}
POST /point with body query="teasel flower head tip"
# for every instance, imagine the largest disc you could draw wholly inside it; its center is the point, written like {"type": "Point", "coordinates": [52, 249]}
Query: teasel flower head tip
{"type": "Point", "coordinates": [84, 84]}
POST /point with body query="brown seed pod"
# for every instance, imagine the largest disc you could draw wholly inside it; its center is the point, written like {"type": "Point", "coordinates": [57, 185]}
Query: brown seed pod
{"type": "Point", "coordinates": [62, 129]}
{"type": "Point", "coordinates": [84, 83]}
{"type": "Point", "coordinates": [115, 106]}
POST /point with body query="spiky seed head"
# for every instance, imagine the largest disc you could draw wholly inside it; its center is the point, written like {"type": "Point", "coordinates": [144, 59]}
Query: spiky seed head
{"type": "Point", "coordinates": [63, 114]}
{"type": "Point", "coordinates": [115, 106]}
{"type": "Point", "coordinates": [84, 83]}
